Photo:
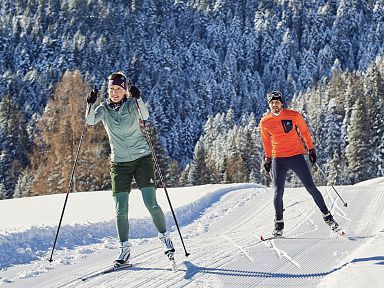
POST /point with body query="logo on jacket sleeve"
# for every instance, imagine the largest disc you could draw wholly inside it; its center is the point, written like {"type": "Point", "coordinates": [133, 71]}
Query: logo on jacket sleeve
{"type": "Point", "coordinates": [287, 125]}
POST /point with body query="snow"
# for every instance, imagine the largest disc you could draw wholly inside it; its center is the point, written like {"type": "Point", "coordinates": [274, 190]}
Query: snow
{"type": "Point", "coordinates": [221, 225]}
{"type": "Point", "coordinates": [365, 268]}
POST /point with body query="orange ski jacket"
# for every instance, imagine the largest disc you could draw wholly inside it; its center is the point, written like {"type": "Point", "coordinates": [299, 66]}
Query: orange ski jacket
{"type": "Point", "coordinates": [280, 134]}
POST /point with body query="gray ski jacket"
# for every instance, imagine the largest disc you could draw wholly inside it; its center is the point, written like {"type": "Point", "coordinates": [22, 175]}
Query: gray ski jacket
{"type": "Point", "coordinates": [123, 128]}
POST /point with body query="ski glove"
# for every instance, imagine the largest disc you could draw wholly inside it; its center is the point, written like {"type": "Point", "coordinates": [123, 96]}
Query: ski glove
{"type": "Point", "coordinates": [91, 98]}
{"type": "Point", "coordinates": [135, 92]}
{"type": "Point", "coordinates": [268, 164]}
{"type": "Point", "coordinates": [312, 156]}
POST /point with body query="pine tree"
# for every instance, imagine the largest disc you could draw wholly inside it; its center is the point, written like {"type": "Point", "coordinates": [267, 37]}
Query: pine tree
{"type": "Point", "coordinates": [162, 158]}
{"type": "Point", "coordinates": [3, 192]}
{"type": "Point", "coordinates": [14, 146]}
{"type": "Point", "coordinates": [357, 151]}
{"type": "Point", "coordinates": [199, 173]}
{"type": "Point", "coordinates": [337, 170]}
{"type": "Point", "coordinates": [332, 128]}
{"type": "Point", "coordinates": [374, 91]}
{"type": "Point", "coordinates": [183, 181]}
{"type": "Point", "coordinates": [173, 174]}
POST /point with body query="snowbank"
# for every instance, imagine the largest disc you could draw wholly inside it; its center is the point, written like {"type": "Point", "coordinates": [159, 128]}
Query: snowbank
{"type": "Point", "coordinates": [29, 225]}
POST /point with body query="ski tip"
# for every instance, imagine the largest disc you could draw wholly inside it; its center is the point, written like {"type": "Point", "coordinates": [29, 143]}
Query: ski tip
{"type": "Point", "coordinates": [262, 238]}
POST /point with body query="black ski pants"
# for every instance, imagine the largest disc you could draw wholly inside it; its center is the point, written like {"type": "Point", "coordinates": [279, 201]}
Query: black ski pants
{"type": "Point", "coordinates": [297, 164]}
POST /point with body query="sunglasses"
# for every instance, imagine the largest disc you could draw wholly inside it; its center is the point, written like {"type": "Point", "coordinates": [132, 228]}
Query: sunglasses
{"type": "Point", "coordinates": [274, 94]}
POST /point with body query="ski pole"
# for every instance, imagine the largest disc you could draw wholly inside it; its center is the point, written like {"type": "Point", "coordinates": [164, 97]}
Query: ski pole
{"type": "Point", "coordinates": [325, 176]}
{"type": "Point", "coordinates": [317, 165]}
{"type": "Point", "coordinates": [70, 181]}
{"type": "Point", "coordinates": [160, 175]}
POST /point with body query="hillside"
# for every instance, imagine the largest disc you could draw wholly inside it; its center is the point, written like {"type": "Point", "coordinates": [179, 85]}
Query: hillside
{"type": "Point", "coordinates": [192, 60]}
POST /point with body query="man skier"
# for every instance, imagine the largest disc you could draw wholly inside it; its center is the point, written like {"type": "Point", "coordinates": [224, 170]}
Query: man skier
{"type": "Point", "coordinates": [281, 133]}
{"type": "Point", "coordinates": [130, 157]}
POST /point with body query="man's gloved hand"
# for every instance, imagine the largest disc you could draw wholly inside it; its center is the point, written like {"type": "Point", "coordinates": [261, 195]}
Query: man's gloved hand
{"type": "Point", "coordinates": [135, 92]}
{"type": "Point", "coordinates": [268, 164]}
{"type": "Point", "coordinates": [312, 156]}
{"type": "Point", "coordinates": [92, 97]}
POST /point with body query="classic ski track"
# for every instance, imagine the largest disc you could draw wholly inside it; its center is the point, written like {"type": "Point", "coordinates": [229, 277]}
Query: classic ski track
{"type": "Point", "coordinates": [234, 252]}
{"type": "Point", "coordinates": [99, 279]}
{"type": "Point", "coordinates": [214, 252]}
{"type": "Point", "coordinates": [219, 254]}
{"type": "Point", "coordinates": [307, 218]}
{"type": "Point", "coordinates": [218, 258]}
{"type": "Point", "coordinates": [110, 276]}
{"type": "Point", "coordinates": [365, 230]}
{"type": "Point", "coordinates": [78, 279]}
{"type": "Point", "coordinates": [285, 262]}
{"type": "Point", "coordinates": [250, 218]}
{"type": "Point", "coordinates": [347, 248]}
{"type": "Point", "coordinates": [223, 253]}
{"type": "Point", "coordinates": [113, 279]}
{"type": "Point", "coordinates": [136, 273]}
{"type": "Point", "coordinates": [301, 252]}
{"type": "Point", "coordinates": [250, 224]}
{"type": "Point", "coordinates": [369, 223]}
{"type": "Point", "coordinates": [144, 277]}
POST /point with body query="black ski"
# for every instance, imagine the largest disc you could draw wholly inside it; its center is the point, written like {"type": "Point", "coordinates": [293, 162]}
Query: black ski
{"type": "Point", "coordinates": [270, 238]}
{"type": "Point", "coordinates": [339, 232]}
{"type": "Point", "coordinates": [110, 269]}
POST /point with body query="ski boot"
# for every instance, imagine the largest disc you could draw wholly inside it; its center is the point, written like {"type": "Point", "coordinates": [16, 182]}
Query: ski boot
{"type": "Point", "coordinates": [328, 218]}
{"type": "Point", "coordinates": [125, 253]}
{"type": "Point", "coordinates": [169, 249]}
{"type": "Point", "coordinates": [167, 243]}
{"type": "Point", "coordinates": [279, 227]}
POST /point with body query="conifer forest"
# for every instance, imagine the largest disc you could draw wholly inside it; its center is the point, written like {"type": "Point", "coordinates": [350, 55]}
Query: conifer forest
{"type": "Point", "coordinates": [204, 68]}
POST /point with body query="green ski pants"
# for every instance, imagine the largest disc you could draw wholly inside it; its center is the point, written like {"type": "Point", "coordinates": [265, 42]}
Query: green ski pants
{"type": "Point", "coordinates": [121, 205]}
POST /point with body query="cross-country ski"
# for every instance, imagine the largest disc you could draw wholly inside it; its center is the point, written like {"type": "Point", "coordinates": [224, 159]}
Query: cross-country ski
{"type": "Point", "coordinates": [112, 268]}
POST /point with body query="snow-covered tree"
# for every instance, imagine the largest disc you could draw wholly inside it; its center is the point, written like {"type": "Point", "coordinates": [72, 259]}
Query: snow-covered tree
{"type": "Point", "coordinates": [357, 151]}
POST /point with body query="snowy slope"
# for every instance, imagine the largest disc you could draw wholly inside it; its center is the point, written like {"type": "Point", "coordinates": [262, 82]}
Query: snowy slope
{"type": "Point", "coordinates": [221, 225]}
